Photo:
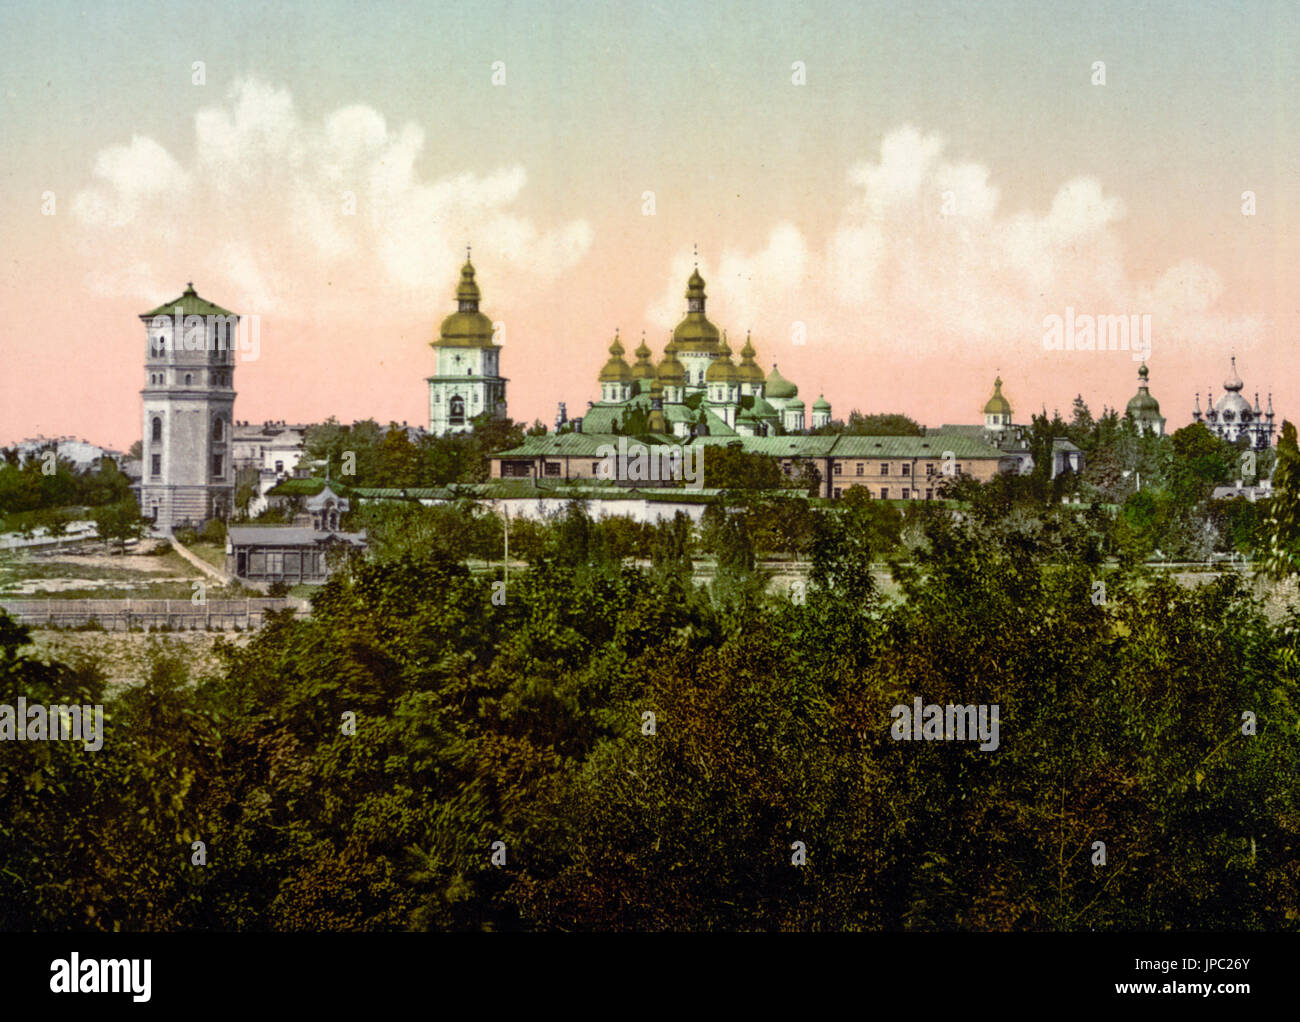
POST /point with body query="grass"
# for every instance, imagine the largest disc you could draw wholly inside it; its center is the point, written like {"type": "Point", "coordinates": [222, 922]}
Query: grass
{"type": "Point", "coordinates": [15, 520]}
{"type": "Point", "coordinates": [210, 552]}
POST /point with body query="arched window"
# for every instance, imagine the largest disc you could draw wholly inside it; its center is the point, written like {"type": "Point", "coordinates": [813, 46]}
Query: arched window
{"type": "Point", "coordinates": [157, 430]}
{"type": "Point", "coordinates": [189, 377]}
{"type": "Point", "coordinates": [216, 429]}
{"type": "Point", "coordinates": [457, 416]}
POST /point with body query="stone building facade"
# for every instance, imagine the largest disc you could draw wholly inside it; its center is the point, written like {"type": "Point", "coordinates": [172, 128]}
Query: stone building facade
{"type": "Point", "coordinates": [187, 475]}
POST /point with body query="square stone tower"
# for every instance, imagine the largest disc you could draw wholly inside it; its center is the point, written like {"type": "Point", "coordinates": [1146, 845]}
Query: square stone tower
{"type": "Point", "coordinates": [189, 401]}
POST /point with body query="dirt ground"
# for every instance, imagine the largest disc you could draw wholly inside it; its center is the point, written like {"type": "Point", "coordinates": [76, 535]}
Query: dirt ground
{"type": "Point", "coordinates": [124, 657]}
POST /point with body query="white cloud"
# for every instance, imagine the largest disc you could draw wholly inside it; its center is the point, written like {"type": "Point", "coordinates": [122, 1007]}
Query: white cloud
{"type": "Point", "coordinates": [269, 192]}
{"type": "Point", "coordinates": [922, 255]}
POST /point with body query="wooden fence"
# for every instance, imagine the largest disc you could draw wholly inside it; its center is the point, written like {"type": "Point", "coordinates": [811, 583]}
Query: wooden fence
{"type": "Point", "coordinates": [175, 615]}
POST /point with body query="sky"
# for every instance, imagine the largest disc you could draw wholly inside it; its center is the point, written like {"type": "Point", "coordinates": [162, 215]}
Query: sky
{"type": "Point", "coordinates": [892, 198]}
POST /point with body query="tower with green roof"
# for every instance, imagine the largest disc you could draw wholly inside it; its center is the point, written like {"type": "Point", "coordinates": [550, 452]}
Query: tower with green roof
{"type": "Point", "coordinates": [189, 402]}
{"type": "Point", "coordinates": [1144, 410]}
{"type": "Point", "coordinates": [821, 412]}
{"type": "Point", "coordinates": [783, 395]}
{"type": "Point", "coordinates": [467, 378]}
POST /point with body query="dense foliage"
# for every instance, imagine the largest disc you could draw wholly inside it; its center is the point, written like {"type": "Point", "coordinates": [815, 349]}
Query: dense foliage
{"type": "Point", "coordinates": [49, 482]}
{"type": "Point", "coordinates": [518, 714]}
{"type": "Point", "coordinates": [365, 454]}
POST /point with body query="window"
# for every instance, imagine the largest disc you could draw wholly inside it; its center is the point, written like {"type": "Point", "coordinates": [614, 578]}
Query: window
{"type": "Point", "coordinates": [275, 562]}
{"type": "Point", "coordinates": [884, 468]}
{"type": "Point", "coordinates": [156, 465]}
{"type": "Point", "coordinates": [279, 466]}
{"type": "Point", "coordinates": [929, 494]}
{"type": "Point", "coordinates": [837, 492]}
{"type": "Point", "coordinates": [929, 468]}
{"type": "Point", "coordinates": [457, 416]}
{"type": "Point", "coordinates": [216, 429]}
{"type": "Point", "coordinates": [907, 469]}
{"type": "Point", "coordinates": [189, 378]}
{"type": "Point", "coordinates": [884, 493]}
{"type": "Point", "coordinates": [216, 466]}
{"type": "Point", "coordinates": [595, 468]}
{"type": "Point", "coordinates": [552, 468]}
{"type": "Point", "coordinates": [906, 493]}
{"type": "Point", "coordinates": [157, 430]}
{"type": "Point", "coordinates": [838, 468]}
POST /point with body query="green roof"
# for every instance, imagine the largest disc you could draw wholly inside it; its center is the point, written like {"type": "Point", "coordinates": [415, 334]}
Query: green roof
{"type": "Point", "coordinates": [578, 445]}
{"type": "Point", "coordinates": [840, 446]}
{"type": "Point", "coordinates": [779, 386]}
{"type": "Point", "coordinates": [602, 417]}
{"type": "Point", "coordinates": [306, 488]}
{"type": "Point", "coordinates": [190, 304]}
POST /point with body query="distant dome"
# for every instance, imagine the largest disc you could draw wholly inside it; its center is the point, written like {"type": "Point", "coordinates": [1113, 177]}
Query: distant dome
{"type": "Point", "coordinates": [616, 370]}
{"type": "Point", "coordinates": [779, 386]}
{"type": "Point", "coordinates": [695, 333]}
{"type": "Point", "coordinates": [671, 371]}
{"type": "Point", "coordinates": [722, 369]}
{"type": "Point", "coordinates": [748, 371]}
{"type": "Point", "coordinates": [997, 404]}
{"type": "Point", "coordinates": [1233, 382]}
{"type": "Point", "coordinates": [1142, 405]}
{"type": "Point", "coordinates": [644, 368]}
{"type": "Point", "coordinates": [1232, 407]}
{"type": "Point", "coordinates": [466, 327]}
{"type": "Point", "coordinates": [821, 404]}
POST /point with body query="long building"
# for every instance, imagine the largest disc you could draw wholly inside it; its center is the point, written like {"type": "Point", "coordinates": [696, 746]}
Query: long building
{"type": "Point", "coordinates": [891, 467]}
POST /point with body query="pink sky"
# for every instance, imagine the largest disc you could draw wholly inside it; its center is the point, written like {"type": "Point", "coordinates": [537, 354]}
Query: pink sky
{"type": "Point", "coordinates": [920, 244]}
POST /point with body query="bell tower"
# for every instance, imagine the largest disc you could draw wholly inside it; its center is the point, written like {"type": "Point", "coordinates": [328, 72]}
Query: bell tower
{"type": "Point", "coordinates": [466, 380]}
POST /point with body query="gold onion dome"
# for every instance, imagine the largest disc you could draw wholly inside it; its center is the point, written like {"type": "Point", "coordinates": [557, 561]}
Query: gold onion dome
{"type": "Point", "coordinates": [644, 368]}
{"type": "Point", "coordinates": [748, 371]}
{"type": "Point", "coordinates": [695, 332]}
{"type": "Point", "coordinates": [722, 370]}
{"type": "Point", "coordinates": [616, 370]}
{"type": "Point", "coordinates": [466, 327]}
{"type": "Point", "coordinates": [997, 404]}
{"type": "Point", "coordinates": [779, 386]}
{"type": "Point", "coordinates": [670, 370]}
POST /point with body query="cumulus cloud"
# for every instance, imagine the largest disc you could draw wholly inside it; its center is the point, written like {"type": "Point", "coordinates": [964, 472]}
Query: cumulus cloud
{"type": "Point", "coordinates": [270, 195]}
{"type": "Point", "coordinates": [924, 254]}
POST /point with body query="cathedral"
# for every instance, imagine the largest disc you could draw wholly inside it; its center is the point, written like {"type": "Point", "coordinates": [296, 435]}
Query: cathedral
{"type": "Point", "coordinates": [696, 389]}
{"type": "Point", "coordinates": [1232, 416]}
{"type": "Point", "coordinates": [467, 380]}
